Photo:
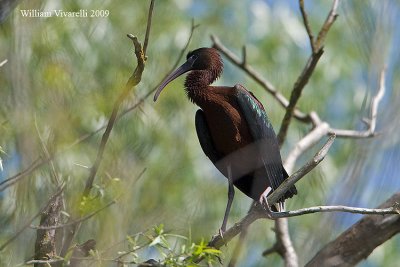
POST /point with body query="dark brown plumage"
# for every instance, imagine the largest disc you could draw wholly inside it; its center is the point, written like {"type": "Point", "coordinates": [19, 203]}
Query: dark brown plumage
{"type": "Point", "coordinates": [233, 128]}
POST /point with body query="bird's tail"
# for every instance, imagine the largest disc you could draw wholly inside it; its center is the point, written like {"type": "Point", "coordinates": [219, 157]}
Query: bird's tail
{"type": "Point", "coordinates": [292, 190]}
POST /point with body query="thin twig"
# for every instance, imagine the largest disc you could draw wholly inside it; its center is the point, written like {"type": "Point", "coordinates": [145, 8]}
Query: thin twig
{"type": "Point", "coordinates": [306, 118]}
{"type": "Point", "coordinates": [298, 87]}
{"type": "Point", "coordinates": [357, 242]}
{"type": "Point", "coordinates": [304, 144]}
{"type": "Point", "coordinates": [307, 71]}
{"type": "Point", "coordinates": [135, 79]}
{"type": "Point", "coordinates": [373, 113]}
{"type": "Point", "coordinates": [3, 62]}
{"type": "Point", "coordinates": [146, 38]}
{"type": "Point", "coordinates": [53, 172]}
{"type": "Point", "coordinates": [45, 262]}
{"type": "Point", "coordinates": [15, 178]}
{"type": "Point", "coordinates": [307, 25]}
{"type": "Point", "coordinates": [376, 100]}
{"type": "Point", "coordinates": [73, 222]}
{"type": "Point", "coordinates": [273, 249]}
{"type": "Point", "coordinates": [343, 133]}
{"type": "Point", "coordinates": [88, 216]}
{"type": "Point", "coordinates": [319, 43]}
{"type": "Point", "coordinates": [356, 210]}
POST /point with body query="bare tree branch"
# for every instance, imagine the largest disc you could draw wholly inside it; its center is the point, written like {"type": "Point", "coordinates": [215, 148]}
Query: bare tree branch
{"type": "Point", "coordinates": [319, 43]}
{"type": "Point", "coordinates": [295, 177]}
{"type": "Point", "coordinates": [296, 93]}
{"type": "Point", "coordinates": [133, 80]}
{"type": "Point", "coordinates": [53, 172]}
{"type": "Point", "coordinates": [148, 27]}
{"type": "Point", "coordinates": [51, 199]}
{"type": "Point", "coordinates": [307, 25]}
{"type": "Point", "coordinates": [375, 102]}
{"type": "Point", "coordinates": [257, 212]}
{"type": "Point", "coordinates": [371, 121]}
{"type": "Point", "coordinates": [45, 245]}
{"type": "Point", "coordinates": [305, 143]}
{"type": "Point", "coordinates": [44, 262]}
{"type": "Point", "coordinates": [293, 213]}
{"type": "Point", "coordinates": [321, 128]}
{"type": "Point", "coordinates": [317, 50]}
{"type": "Point", "coordinates": [306, 118]}
{"type": "Point", "coordinates": [17, 177]}
{"type": "Point", "coordinates": [46, 239]}
{"type": "Point", "coordinates": [284, 242]}
{"type": "Point", "coordinates": [3, 63]}
{"type": "Point", "coordinates": [358, 242]}
{"type": "Point", "coordinates": [289, 252]}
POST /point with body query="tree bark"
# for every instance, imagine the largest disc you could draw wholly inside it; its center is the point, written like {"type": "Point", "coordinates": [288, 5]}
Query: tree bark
{"type": "Point", "coordinates": [45, 245]}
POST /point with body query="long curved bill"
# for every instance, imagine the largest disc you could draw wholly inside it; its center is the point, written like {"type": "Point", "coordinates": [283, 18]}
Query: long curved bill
{"type": "Point", "coordinates": [185, 67]}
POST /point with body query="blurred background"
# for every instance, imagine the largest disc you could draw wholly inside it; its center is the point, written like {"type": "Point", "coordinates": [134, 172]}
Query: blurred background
{"type": "Point", "coordinates": [63, 75]}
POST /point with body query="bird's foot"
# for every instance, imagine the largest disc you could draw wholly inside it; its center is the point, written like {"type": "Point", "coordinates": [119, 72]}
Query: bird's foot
{"type": "Point", "coordinates": [219, 234]}
{"type": "Point", "coordinates": [264, 203]}
{"type": "Point", "coordinates": [222, 230]}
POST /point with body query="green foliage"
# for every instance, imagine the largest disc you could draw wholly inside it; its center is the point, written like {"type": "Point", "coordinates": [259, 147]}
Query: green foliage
{"type": "Point", "coordinates": [184, 252]}
{"type": "Point", "coordinates": [100, 195]}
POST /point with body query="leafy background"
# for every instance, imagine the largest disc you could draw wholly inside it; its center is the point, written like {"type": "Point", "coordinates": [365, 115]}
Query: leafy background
{"type": "Point", "coordinates": [63, 75]}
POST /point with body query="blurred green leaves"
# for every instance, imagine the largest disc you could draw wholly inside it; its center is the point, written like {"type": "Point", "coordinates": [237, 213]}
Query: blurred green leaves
{"type": "Point", "coordinates": [172, 250]}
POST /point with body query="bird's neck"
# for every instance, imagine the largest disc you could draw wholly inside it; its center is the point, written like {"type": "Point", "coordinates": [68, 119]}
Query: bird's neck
{"type": "Point", "coordinates": [197, 83]}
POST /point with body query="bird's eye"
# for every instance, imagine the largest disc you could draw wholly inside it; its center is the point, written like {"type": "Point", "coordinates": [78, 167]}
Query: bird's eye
{"type": "Point", "coordinates": [188, 55]}
{"type": "Point", "coordinates": [192, 58]}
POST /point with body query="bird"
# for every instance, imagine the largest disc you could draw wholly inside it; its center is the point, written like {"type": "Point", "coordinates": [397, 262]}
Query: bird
{"type": "Point", "coordinates": [233, 129]}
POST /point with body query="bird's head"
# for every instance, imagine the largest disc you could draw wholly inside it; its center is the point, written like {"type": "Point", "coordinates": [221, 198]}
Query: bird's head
{"type": "Point", "coordinates": [207, 60]}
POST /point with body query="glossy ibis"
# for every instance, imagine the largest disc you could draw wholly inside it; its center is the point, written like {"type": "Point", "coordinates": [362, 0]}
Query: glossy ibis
{"type": "Point", "coordinates": [233, 129]}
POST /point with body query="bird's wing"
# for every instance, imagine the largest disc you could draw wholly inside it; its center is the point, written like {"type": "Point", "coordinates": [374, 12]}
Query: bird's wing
{"type": "Point", "coordinates": [203, 133]}
{"type": "Point", "coordinates": [262, 132]}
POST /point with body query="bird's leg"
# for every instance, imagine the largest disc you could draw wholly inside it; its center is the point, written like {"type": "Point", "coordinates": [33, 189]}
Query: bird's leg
{"type": "Point", "coordinates": [264, 202]}
{"type": "Point", "coordinates": [231, 194]}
